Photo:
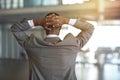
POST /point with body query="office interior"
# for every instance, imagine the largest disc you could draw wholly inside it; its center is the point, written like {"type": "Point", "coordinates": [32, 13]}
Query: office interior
{"type": "Point", "coordinates": [99, 59]}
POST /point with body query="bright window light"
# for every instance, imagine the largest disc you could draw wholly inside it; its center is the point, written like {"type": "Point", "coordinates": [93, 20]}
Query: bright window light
{"type": "Point", "coordinates": [103, 36]}
{"type": "Point", "coordinates": [70, 29]}
{"type": "Point", "coordinates": [72, 1]}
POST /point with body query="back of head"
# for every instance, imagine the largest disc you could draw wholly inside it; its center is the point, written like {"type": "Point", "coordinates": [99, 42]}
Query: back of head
{"type": "Point", "coordinates": [53, 30]}
{"type": "Point", "coordinates": [52, 13]}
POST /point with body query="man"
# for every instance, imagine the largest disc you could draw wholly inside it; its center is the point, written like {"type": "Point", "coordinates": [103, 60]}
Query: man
{"type": "Point", "coordinates": [52, 58]}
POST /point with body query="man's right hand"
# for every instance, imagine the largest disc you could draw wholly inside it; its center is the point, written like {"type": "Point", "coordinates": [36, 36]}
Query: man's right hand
{"type": "Point", "coordinates": [55, 21]}
{"type": "Point", "coordinates": [51, 21]}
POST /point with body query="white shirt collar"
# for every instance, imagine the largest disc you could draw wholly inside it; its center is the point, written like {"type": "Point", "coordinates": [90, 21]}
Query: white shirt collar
{"type": "Point", "coordinates": [52, 35]}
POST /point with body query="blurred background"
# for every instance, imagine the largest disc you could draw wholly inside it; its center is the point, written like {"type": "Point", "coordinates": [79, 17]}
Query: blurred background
{"type": "Point", "coordinates": [99, 59]}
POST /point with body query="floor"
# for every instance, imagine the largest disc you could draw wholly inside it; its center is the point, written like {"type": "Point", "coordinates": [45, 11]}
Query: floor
{"type": "Point", "coordinates": [13, 69]}
{"type": "Point", "coordinates": [93, 72]}
{"type": "Point", "coordinates": [18, 70]}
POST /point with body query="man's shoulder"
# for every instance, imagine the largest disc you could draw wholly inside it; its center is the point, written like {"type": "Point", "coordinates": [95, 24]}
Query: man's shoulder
{"type": "Point", "coordinates": [68, 36]}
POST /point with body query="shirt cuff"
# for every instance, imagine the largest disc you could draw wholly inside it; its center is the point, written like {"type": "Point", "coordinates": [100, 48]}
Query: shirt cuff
{"type": "Point", "coordinates": [72, 21]}
{"type": "Point", "coordinates": [31, 23]}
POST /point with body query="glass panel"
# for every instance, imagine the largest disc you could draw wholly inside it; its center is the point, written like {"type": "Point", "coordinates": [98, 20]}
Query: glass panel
{"type": "Point", "coordinates": [7, 41]}
{"type": "Point", "coordinates": [72, 1]}
{"type": "Point", "coordinates": [50, 2]}
{"type": "Point", "coordinates": [15, 3]}
{"type": "Point", "coordinates": [8, 4]}
{"type": "Point", "coordinates": [31, 3]}
{"type": "Point", "coordinates": [2, 3]}
{"type": "Point", "coordinates": [0, 42]}
{"type": "Point", "coordinates": [21, 3]}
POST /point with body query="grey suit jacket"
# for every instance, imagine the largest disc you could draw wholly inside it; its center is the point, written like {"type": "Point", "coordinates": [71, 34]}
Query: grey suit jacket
{"type": "Point", "coordinates": [52, 58]}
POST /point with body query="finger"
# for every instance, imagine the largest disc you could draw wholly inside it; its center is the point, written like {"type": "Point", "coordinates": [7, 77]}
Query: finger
{"type": "Point", "coordinates": [46, 28]}
{"type": "Point", "coordinates": [50, 16]}
{"type": "Point", "coordinates": [57, 25]}
{"type": "Point", "coordinates": [52, 19]}
{"type": "Point", "coordinates": [49, 23]}
{"type": "Point", "coordinates": [54, 23]}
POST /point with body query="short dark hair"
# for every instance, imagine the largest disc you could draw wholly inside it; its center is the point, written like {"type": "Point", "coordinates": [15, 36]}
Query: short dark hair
{"type": "Point", "coordinates": [52, 13]}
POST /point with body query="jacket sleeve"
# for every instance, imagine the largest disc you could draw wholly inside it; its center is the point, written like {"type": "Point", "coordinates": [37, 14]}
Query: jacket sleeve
{"type": "Point", "coordinates": [86, 31]}
{"type": "Point", "coordinates": [18, 30]}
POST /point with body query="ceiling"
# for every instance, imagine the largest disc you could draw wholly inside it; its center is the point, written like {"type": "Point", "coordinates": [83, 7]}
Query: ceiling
{"type": "Point", "coordinates": [88, 10]}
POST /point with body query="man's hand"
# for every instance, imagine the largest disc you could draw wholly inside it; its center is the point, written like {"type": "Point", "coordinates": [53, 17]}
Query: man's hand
{"type": "Point", "coordinates": [51, 21]}
{"type": "Point", "coordinates": [57, 21]}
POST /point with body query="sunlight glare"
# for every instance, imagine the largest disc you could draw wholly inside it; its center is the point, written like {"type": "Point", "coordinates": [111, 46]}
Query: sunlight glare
{"type": "Point", "coordinates": [72, 1]}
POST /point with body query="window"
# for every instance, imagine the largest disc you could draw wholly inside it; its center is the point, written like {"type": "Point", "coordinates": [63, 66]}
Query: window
{"type": "Point", "coordinates": [50, 2]}
{"type": "Point", "coordinates": [0, 42]}
{"type": "Point", "coordinates": [72, 1]}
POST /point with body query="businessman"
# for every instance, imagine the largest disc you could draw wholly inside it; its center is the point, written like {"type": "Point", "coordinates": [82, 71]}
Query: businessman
{"type": "Point", "coordinates": [52, 58]}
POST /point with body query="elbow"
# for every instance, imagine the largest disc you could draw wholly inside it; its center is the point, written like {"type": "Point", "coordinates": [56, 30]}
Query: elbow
{"type": "Point", "coordinates": [91, 27]}
{"type": "Point", "coordinates": [13, 27]}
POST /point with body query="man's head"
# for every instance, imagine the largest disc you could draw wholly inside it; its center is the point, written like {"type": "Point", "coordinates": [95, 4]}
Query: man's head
{"type": "Point", "coordinates": [51, 13]}
{"type": "Point", "coordinates": [53, 25]}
